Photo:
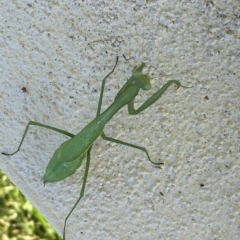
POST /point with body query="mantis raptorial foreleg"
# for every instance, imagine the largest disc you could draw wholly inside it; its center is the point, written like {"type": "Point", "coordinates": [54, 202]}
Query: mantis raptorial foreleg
{"type": "Point", "coordinates": [153, 98]}
{"type": "Point", "coordinates": [69, 156]}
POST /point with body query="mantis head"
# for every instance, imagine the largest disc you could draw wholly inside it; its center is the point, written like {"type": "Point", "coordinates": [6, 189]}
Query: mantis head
{"type": "Point", "coordinates": [143, 81]}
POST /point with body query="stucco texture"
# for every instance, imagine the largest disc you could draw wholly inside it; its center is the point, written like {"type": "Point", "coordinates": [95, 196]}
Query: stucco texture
{"type": "Point", "coordinates": [59, 51]}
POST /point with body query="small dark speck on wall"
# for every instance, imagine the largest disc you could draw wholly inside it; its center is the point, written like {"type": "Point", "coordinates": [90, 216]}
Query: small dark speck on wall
{"type": "Point", "coordinates": [24, 89]}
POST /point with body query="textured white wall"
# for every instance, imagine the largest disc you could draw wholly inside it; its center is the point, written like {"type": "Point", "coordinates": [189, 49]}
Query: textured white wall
{"type": "Point", "coordinates": [61, 50]}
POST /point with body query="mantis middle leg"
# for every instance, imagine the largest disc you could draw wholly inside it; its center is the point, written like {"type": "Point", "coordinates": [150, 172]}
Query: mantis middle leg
{"type": "Point", "coordinates": [129, 145]}
{"type": "Point", "coordinates": [88, 154]}
{"type": "Point", "coordinates": [102, 89]}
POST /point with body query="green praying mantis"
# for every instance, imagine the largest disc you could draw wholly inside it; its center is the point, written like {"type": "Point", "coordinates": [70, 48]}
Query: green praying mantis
{"type": "Point", "coordinates": [69, 156]}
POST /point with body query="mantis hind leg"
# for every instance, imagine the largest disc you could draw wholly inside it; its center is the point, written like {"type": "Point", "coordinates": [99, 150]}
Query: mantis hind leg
{"type": "Point", "coordinates": [129, 145]}
{"type": "Point", "coordinates": [39, 125]}
{"type": "Point", "coordinates": [82, 191]}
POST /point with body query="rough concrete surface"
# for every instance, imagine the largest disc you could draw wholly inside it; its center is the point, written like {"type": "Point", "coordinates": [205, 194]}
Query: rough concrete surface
{"type": "Point", "coordinates": [61, 50]}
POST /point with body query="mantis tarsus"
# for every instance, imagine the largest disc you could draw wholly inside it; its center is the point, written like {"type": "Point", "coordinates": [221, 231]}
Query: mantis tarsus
{"type": "Point", "coordinates": [69, 156]}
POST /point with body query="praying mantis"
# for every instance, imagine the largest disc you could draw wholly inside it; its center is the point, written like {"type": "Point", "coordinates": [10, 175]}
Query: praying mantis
{"type": "Point", "coordinates": [69, 156]}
